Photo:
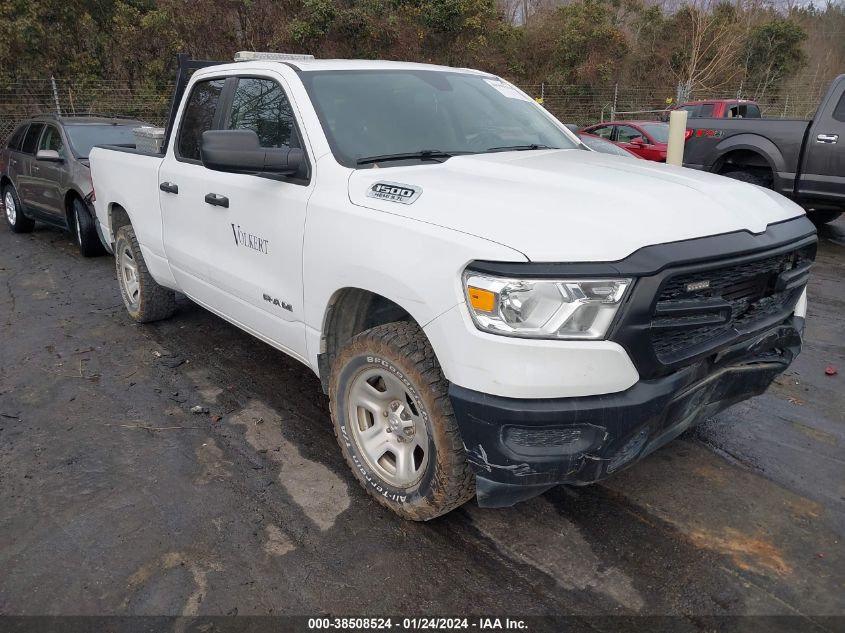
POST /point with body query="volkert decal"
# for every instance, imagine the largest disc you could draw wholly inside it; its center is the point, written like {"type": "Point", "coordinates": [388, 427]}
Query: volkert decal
{"type": "Point", "coordinates": [394, 192]}
{"type": "Point", "coordinates": [248, 240]}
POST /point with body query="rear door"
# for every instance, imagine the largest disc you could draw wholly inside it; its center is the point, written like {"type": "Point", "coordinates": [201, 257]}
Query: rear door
{"type": "Point", "coordinates": [183, 183]}
{"type": "Point", "coordinates": [47, 177]}
{"type": "Point", "coordinates": [24, 184]}
{"type": "Point", "coordinates": [11, 166]}
{"type": "Point", "coordinates": [823, 171]}
{"type": "Point", "coordinates": [256, 270]}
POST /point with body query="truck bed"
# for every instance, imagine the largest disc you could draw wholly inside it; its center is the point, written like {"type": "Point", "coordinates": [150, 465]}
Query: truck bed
{"type": "Point", "coordinates": [780, 139]}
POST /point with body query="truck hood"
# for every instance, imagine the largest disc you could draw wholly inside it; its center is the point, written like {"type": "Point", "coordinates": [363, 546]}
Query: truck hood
{"type": "Point", "coordinates": [571, 205]}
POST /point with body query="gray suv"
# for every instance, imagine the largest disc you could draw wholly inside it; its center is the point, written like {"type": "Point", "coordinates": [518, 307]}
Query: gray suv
{"type": "Point", "coordinates": [44, 173]}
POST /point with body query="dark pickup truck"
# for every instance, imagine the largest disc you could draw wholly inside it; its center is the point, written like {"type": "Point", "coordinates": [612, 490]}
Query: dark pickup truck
{"type": "Point", "coordinates": [803, 160]}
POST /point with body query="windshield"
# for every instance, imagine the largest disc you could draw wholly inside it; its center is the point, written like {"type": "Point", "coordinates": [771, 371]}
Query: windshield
{"type": "Point", "coordinates": [86, 136]}
{"type": "Point", "coordinates": [378, 113]}
{"type": "Point", "coordinates": [657, 131]}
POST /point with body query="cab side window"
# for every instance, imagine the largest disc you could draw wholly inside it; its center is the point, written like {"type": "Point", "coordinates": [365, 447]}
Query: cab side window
{"type": "Point", "coordinates": [705, 111]}
{"type": "Point", "coordinates": [30, 141]}
{"type": "Point", "coordinates": [52, 139]}
{"type": "Point", "coordinates": [261, 105]}
{"type": "Point", "coordinates": [16, 138]}
{"type": "Point", "coordinates": [198, 117]}
{"type": "Point", "coordinates": [603, 132]}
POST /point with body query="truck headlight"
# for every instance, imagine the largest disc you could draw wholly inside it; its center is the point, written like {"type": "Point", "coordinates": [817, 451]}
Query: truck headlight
{"type": "Point", "coordinates": [539, 308]}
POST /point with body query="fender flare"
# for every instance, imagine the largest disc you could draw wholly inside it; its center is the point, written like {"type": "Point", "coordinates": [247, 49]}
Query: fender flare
{"type": "Point", "coordinates": [756, 144]}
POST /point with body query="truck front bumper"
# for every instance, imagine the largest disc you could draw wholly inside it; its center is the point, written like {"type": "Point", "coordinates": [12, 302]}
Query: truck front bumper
{"type": "Point", "coordinates": [519, 448]}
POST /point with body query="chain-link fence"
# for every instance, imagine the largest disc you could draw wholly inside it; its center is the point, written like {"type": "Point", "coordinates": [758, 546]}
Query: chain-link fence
{"type": "Point", "coordinates": [581, 105]}
{"type": "Point", "coordinates": [585, 105]}
{"type": "Point", "coordinates": [21, 99]}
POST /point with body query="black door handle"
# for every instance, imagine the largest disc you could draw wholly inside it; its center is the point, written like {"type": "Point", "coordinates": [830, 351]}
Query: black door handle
{"type": "Point", "coordinates": [217, 200]}
{"type": "Point", "coordinates": [169, 187]}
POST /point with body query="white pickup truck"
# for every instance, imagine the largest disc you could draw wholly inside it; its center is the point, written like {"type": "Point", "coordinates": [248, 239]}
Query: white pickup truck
{"type": "Point", "coordinates": [492, 308]}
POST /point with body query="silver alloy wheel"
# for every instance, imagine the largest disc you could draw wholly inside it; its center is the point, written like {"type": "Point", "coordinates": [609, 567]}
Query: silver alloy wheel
{"type": "Point", "coordinates": [11, 210]}
{"type": "Point", "coordinates": [387, 427]}
{"type": "Point", "coordinates": [129, 276]}
{"type": "Point", "coordinates": [78, 230]}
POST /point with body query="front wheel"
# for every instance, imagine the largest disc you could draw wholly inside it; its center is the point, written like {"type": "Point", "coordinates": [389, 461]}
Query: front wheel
{"type": "Point", "coordinates": [85, 231]}
{"type": "Point", "coordinates": [394, 422]}
{"type": "Point", "coordinates": [144, 299]}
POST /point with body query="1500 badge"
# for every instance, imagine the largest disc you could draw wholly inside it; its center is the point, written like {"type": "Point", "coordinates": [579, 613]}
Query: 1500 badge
{"type": "Point", "coordinates": [394, 192]}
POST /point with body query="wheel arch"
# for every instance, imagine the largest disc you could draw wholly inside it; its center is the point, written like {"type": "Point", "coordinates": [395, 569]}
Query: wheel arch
{"type": "Point", "coordinates": [118, 217]}
{"type": "Point", "coordinates": [70, 196]}
{"type": "Point", "coordinates": [350, 311]}
{"type": "Point", "coordinates": [749, 151]}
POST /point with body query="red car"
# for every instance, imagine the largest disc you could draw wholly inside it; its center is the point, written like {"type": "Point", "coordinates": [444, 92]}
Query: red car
{"type": "Point", "coordinates": [718, 109]}
{"type": "Point", "coordinates": [646, 139]}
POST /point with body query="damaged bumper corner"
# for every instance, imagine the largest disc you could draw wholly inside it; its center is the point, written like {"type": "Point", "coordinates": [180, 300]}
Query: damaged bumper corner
{"type": "Point", "coordinates": [519, 448]}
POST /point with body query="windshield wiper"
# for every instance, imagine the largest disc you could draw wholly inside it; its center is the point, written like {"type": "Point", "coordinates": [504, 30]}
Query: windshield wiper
{"type": "Point", "coordinates": [425, 154]}
{"type": "Point", "coordinates": [519, 148]}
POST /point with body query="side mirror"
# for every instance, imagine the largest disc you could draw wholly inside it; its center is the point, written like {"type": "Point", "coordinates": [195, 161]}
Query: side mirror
{"type": "Point", "coordinates": [638, 141]}
{"type": "Point", "coordinates": [239, 151]}
{"type": "Point", "coordinates": [48, 156]}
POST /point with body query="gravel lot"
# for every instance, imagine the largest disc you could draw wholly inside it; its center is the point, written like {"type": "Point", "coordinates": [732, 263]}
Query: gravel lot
{"type": "Point", "coordinates": [116, 499]}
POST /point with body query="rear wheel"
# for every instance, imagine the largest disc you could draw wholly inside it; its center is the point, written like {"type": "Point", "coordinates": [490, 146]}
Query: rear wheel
{"type": "Point", "coordinates": [144, 299]}
{"type": "Point", "coordinates": [85, 231]}
{"type": "Point", "coordinates": [750, 177]}
{"type": "Point", "coordinates": [15, 218]}
{"type": "Point", "coordinates": [394, 422]}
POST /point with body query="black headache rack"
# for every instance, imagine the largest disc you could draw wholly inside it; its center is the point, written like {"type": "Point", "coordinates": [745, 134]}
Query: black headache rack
{"type": "Point", "coordinates": [185, 68]}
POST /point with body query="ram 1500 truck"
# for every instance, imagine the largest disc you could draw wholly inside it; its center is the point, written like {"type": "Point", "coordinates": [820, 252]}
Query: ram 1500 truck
{"type": "Point", "coordinates": [492, 308]}
{"type": "Point", "coordinates": [803, 160]}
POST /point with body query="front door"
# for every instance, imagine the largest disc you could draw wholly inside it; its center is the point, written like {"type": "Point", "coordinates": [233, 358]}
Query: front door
{"type": "Point", "coordinates": [47, 177]}
{"type": "Point", "coordinates": [256, 239]}
{"type": "Point", "coordinates": [823, 172]}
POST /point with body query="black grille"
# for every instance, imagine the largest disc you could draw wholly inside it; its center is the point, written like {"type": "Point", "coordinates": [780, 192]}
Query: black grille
{"type": "Point", "coordinates": [696, 309]}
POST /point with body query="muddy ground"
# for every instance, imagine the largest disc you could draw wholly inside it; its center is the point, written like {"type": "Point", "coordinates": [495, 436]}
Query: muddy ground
{"type": "Point", "coordinates": [255, 512]}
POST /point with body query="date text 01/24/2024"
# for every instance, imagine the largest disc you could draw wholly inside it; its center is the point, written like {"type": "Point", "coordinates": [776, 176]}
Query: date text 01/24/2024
{"type": "Point", "coordinates": [417, 624]}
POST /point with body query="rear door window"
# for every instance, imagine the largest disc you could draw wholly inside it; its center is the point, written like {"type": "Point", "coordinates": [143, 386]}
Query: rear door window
{"type": "Point", "coordinates": [30, 141]}
{"type": "Point", "coordinates": [17, 137]}
{"type": "Point", "coordinates": [198, 117]}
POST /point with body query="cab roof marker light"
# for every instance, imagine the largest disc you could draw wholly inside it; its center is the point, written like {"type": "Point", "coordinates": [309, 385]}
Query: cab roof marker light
{"type": "Point", "coordinates": [253, 56]}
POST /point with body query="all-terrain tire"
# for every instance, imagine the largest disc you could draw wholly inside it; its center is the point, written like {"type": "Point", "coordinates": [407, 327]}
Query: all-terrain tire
{"type": "Point", "coordinates": [402, 351]}
{"type": "Point", "coordinates": [85, 231]}
{"type": "Point", "coordinates": [749, 177]}
{"type": "Point", "coordinates": [15, 218]}
{"type": "Point", "coordinates": [145, 300]}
